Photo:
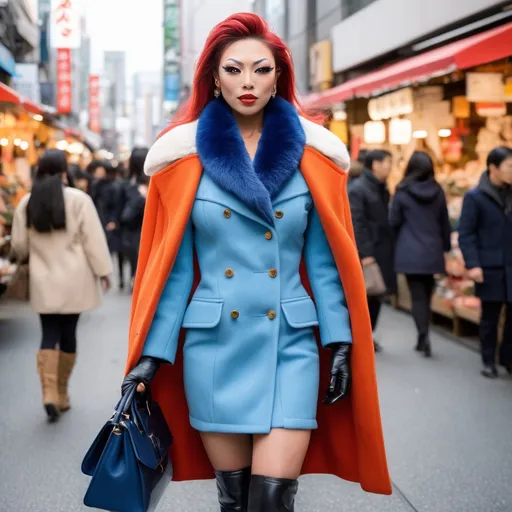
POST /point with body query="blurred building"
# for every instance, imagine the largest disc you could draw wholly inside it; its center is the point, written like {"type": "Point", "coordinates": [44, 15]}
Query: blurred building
{"type": "Point", "coordinates": [146, 108]}
{"type": "Point", "coordinates": [339, 39]}
{"type": "Point", "coordinates": [114, 70]}
{"type": "Point", "coordinates": [19, 36]}
{"type": "Point", "coordinates": [198, 18]}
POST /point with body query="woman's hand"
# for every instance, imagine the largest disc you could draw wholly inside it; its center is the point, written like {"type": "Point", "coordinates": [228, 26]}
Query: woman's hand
{"type": "Point", "coordinates": [105, 283]}
{"type": "Point", "coordinates": [142, 374]}
{"type": "Point", "coordinates": [341, 375]}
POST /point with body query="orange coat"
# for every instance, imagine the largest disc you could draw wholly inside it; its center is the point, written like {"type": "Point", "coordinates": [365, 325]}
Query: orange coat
{"type": "Point", "coordinates": [349, 441]}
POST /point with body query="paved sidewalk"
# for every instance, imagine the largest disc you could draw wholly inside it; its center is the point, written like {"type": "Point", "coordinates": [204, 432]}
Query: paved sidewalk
{"type": "Point", "coordinates": [447, 429]}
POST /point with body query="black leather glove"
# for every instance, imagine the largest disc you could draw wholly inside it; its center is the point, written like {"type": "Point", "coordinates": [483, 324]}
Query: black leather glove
{"type": "Point", "coordinates": [341, 375]}
{"type": "Point", "coordinates": [144, 372]}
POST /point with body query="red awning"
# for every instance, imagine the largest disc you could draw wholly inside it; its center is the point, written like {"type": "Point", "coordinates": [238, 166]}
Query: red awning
{"type": "Point", "coordinates": [473, 51]}
{"type": "Point", "coordinates": [31, 107]}
{"type": "Point", "coordinates": [8, 95]}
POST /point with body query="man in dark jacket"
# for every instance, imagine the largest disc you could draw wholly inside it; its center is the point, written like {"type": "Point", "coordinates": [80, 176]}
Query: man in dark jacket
{"type": "Point", "coordinates": [485, 238]}
{"type": "Point", "coordinates": [369, 200]}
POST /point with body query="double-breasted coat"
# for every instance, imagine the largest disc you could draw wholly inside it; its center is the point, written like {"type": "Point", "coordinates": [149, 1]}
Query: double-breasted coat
{"type": "Point", "coordinates": [221, 292]}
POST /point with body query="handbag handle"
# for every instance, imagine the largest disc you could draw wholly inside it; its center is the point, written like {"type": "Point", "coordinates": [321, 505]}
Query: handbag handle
{"type": "Point", "coordinates": [124, 404]}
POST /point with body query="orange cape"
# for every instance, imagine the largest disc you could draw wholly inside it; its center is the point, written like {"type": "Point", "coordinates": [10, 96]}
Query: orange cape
{"type": "Point", "coordinates": [349, 441]}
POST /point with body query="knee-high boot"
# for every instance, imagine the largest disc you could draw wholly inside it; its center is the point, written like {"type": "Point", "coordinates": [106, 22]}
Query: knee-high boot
{"type": "Point", "coordinates": [48, 369]}
{"type": "Point", "coordinates": [66, 365]}
{"type": "Point", "coordinates": [268, 494]}
{"type": "Point", "coordinates": [233, 488]}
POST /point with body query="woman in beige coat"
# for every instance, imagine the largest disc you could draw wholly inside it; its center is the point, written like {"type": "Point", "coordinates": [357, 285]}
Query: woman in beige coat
{"type": "Point", "coordinates": [57, 228]}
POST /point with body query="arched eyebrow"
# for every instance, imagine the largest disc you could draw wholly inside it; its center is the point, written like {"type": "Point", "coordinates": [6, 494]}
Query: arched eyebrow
{"type": "Point", "coordinates": [241, 63]}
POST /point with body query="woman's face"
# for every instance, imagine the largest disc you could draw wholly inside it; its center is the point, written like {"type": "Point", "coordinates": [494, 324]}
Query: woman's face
{"type": "Point", "coordinates": [247, 76]}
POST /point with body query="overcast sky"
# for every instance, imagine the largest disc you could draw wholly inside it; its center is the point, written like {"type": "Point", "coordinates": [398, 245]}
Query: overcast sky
{"type": "Point", "coordinates": [127, 25]}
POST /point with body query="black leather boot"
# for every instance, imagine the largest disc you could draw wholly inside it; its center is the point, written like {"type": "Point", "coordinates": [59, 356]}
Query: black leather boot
{"type": "Point", "coordinates": [233, 488]}
{"type": "Point", "coordinates": [268, 494]}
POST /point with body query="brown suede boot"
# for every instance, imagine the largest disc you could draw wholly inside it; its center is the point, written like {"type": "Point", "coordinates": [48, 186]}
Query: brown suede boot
{"type": "Point", "coordinates": [66, 364]}
{"type": "Point", "coordinates": [48, 368]}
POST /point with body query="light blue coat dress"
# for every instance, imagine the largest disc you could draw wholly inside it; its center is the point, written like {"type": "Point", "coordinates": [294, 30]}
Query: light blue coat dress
{"type": "Point", "coordinates": [250, 354]}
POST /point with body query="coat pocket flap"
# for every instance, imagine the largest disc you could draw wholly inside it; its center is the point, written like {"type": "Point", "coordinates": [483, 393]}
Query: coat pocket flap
{"type": "Point", "coordinates": [203, 313]}
{"type": "Point", "coordinates": [300, 312]}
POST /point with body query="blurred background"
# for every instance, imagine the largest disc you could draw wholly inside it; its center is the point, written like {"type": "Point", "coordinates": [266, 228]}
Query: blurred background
{"type": "Point", "coordinates": [98, 78]}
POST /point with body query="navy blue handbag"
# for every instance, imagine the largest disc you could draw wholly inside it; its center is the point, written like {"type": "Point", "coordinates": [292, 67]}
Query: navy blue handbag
{"type": "Point", "coordinates": [129, 456]}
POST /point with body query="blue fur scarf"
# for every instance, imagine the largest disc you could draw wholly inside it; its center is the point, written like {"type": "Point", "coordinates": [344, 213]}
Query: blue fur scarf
{"type": "Point", "coordinates": [225, 159]}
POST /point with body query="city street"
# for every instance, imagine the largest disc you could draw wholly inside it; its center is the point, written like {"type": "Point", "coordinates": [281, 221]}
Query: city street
{"type": "Point", "coordinates": [447, 429]}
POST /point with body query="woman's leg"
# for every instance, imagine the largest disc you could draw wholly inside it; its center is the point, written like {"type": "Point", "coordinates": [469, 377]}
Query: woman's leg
{"type": "Point", "coordinates": [120, 266]}
{"type": "Point", "coordinates": [276, 464]}
{"type": "Point", "coordinates": [421, 288]}
{"type": "Point", "coordinates": [48, 364]}
{"type": "Point", "coordinates": [67, 357]}
{"type": "Point", "coordinates": [230, 455]}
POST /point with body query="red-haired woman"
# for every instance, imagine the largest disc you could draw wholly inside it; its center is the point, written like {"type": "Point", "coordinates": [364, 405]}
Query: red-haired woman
{"type": "Point", "coordinates": [246, 221]}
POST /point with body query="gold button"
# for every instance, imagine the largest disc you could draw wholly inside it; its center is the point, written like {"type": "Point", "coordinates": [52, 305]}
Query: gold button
{"type": "Point", "coordinates": [268, 235]}
{"type": "Point", "coordinates": [229, 272]}
{"type": "Point", "coordinates": [271, 314]}
{"type": "Point", "coordinates": [235, 314]}
{"type": "Point", "coordinates": [227, 213]}
{"type": "Point", "coordinates": [279, 214]}
{"type": "Point", "coordinates": [272, 272]}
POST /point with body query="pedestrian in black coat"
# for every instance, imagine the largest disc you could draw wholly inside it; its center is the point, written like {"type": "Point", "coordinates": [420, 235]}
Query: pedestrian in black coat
{"type": "Point", "coordinates": [132, 215]}
{"type": "Point", "coordinates": [369, 200]}
{"type": "Point", "coordinates": [419, 217]}
{"type": "Point", "coordinates": [107, 196]}
{"type": "Point", "coordinates": [485, 238]}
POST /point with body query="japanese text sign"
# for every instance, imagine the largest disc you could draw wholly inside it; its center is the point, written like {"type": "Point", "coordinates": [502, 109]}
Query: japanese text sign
{"type": "Point", "coordinates": [65, 24]}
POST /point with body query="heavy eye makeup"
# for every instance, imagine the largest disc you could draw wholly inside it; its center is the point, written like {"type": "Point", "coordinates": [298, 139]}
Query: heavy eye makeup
{"type": "Point", "coordinates": [232, 70]}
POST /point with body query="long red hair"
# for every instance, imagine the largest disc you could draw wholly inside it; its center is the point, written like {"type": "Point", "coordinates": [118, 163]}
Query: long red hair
{"type": "Point", "coordinates": [242, 25]}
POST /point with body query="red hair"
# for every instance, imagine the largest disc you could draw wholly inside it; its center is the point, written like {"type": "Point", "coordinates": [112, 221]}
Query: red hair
{"type": "Point", "coordinates": [242, 25]}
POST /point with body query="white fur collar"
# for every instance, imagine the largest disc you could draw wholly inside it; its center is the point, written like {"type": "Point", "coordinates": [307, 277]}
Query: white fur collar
{"type": "Point", "coordinates": [181, 142]}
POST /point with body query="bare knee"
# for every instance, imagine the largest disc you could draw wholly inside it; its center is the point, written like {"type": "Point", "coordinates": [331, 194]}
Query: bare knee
{"type": "Point", "coordinates": [281, 453]}
{"type": "Point", "coordinates": [227, 452]}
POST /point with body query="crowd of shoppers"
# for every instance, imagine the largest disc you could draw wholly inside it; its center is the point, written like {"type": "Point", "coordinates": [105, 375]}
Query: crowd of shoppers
{"type": "Point", "coordinates": [67, 229]}
{"type": "Point", "coordinates": [411, 235]}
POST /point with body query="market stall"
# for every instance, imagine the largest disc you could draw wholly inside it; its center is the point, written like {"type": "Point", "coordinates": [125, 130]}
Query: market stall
{"type": "Point", "coordinates": [455, 103]}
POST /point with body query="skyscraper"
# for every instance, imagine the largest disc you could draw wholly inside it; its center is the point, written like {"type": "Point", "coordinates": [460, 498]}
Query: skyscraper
{"type": "Point", "coordinates": [114, 70]}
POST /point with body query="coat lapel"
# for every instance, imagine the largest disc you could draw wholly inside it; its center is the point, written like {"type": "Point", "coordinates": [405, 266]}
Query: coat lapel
{"type": "Point", "coordinates": [225, 160]}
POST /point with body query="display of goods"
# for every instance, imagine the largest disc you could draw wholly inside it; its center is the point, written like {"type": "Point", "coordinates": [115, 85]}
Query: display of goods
{"type": "Point", "coordinates": [468, 302]}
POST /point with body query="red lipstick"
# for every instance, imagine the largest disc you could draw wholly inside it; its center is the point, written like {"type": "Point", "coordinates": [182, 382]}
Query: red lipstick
{"type": "Point", "coordinates": [247, 99]}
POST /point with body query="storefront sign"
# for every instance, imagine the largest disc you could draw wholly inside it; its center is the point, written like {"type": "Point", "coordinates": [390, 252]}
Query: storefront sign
{"type": "Point", "coordinates": [94, 104]}
{"type": "Point", "coordinates": [65, 23]}
{"type": "Point", "coordinates": [461, 108]}
{"type": "Point", "coordinates": [64, 80]}
{"type": "Point", "coordinates": [374, 132]}
{"type": "Point", "coordinates": [485, 87]}
{"type": "Point", "coordinates": [400, 131]}
{"type": "Point", "coordinates": [391, 105]}
{"type": "Point", "coordinates": [491, 109]}
{"type": "Point", "coordinates": [320, 65]}
{"type": "Point", "coordinates": [426, 97]}
{"type": "Point", "coordinates": [172, 55]}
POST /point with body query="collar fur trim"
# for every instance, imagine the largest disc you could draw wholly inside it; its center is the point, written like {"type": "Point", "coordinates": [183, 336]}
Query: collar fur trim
{"type": "Point", "coordinates": [181, 142]}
